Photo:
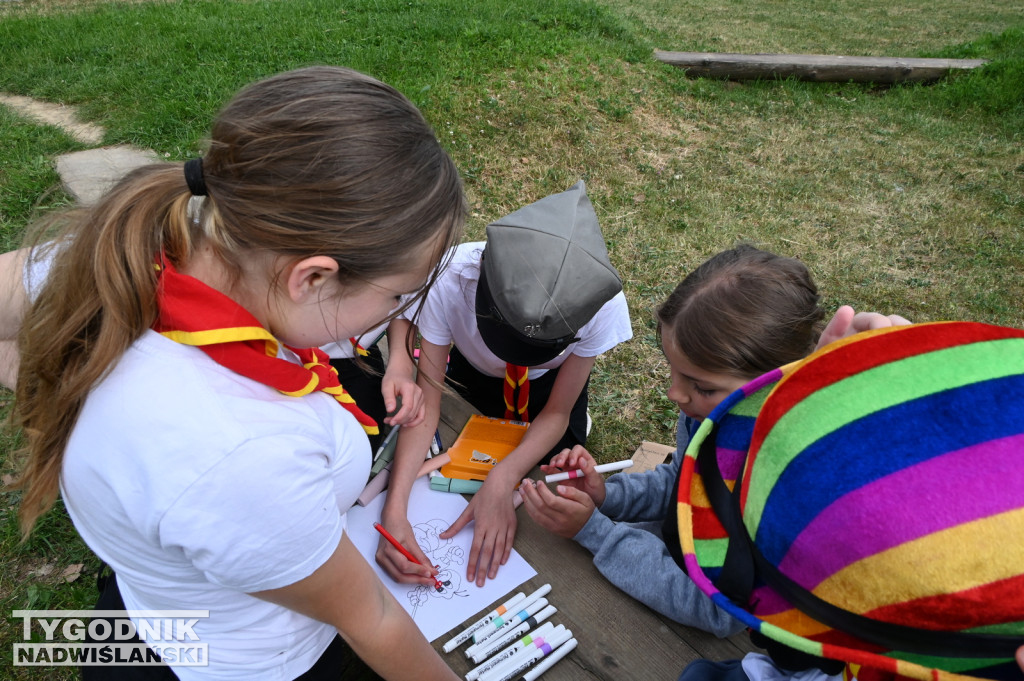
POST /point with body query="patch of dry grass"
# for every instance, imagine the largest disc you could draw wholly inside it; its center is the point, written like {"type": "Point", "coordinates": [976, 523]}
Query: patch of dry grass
{"type": "Point", "coordinates": [884, 204]}
{"type": "Point", "coordinates": [861, 27]}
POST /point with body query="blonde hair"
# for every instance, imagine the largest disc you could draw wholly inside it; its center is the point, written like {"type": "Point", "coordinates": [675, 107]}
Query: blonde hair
{"type": "Point", "coordinates": [317, 161]}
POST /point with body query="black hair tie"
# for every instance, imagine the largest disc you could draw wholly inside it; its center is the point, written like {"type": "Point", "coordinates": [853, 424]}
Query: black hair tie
{"type": "Point", "coordinates": [194, 177]}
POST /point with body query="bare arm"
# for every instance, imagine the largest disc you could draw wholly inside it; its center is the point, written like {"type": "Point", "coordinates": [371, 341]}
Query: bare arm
{"type": "Point", "coordinates": [400, 378]}
{"type": "Point", "coordinates": [413, 443]}
{"type": "Point", "coordinates": [491, 507]}
{"type": "Point", "coordinates": [12, 311]}
{"type": "Point", "coordinates": [346, 593]}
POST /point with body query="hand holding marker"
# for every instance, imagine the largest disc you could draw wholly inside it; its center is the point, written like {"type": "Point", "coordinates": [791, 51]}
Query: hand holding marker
{"type": "Point", "coordinates": [405, 552]}
{"type": "Point", "coordinates": [603, 468]}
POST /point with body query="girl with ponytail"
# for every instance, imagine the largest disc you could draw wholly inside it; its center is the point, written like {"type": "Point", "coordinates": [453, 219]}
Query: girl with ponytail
{"type": "Point", "coordinates": [170, 391]}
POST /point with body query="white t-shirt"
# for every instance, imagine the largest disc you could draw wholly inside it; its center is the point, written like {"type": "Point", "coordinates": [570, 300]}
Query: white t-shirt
{"type": "Point", "coordinates": [198, 485]}
{"type": "Point", "coordinates": [345, 350]}
{"type": "Point", "coordinates": [449, 316]}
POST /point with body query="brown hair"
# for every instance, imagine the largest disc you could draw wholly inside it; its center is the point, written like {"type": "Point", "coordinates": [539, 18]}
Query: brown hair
{"type": "Point", "coordinates": [316, 161]}
{"type": "Point", "coordinates": [743, 312]}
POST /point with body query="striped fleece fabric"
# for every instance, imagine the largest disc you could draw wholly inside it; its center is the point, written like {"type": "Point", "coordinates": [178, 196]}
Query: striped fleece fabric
{"type": "Point", "coordinates": [883, 475]}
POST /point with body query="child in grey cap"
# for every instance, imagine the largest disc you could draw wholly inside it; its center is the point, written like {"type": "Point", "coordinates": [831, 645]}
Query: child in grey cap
{"type": "Point", "coordinates": [522, 318]}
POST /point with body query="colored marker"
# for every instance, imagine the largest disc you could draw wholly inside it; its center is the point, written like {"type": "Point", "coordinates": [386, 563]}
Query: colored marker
{"type": "Point", "coordinates": [549, 661]}
{"type": "Point", "coordinates": [493, 634]}
{"type": "Point", "coordinates": [455, 485]}
{"type": "Point", "coordinates": [504, 639]}
{"type": "Point", "coordinates": [375, 486]}
{"type": "Point", "coordinates": [542, 632]}
{"type": "Point", "coordinates": [387, 455]}
{"type": "Point", "coordinates": [467, 633]}
{"type": "Point", "coordinates": [387, 441]}
{"type": "Point", "coordinates": [405, 552]}
{"type": "Point", "coordinates": [499, 623]}
{"type": "Point", "coordinates": [525, 659]}
{"type": "Point", "coordinates": [603, 468]}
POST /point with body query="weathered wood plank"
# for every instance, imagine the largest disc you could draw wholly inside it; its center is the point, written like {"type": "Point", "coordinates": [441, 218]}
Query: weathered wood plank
{"type": "Point", "coordinates": [815, 67]}
{"type": "Point", "coordinates": [455, 411]}
{"type": "Point", "coordinates": [618, 637]}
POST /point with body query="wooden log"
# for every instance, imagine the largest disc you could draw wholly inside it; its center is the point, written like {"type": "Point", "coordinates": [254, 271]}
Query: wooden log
{"type": "Point", "coordinates": [815, 67]}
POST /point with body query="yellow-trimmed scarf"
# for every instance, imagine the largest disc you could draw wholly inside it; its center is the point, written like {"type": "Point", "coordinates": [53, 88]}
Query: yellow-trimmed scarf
{"type": "Point", "coordinates": [192, 313]}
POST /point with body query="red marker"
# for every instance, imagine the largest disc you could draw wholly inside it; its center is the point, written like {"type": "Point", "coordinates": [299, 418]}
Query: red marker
{"type": "Point", "coordinates": [405, 552]}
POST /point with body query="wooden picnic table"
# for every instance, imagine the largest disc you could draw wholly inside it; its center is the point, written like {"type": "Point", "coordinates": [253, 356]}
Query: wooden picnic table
{"type": "Point", "coordinates": [619, 638]}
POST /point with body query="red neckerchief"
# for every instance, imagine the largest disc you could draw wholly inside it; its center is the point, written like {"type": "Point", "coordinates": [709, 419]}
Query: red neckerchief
{"type": "Point", "coordinates": [192, 313]}
{"type": "Point", "coordinates": [517, 402]}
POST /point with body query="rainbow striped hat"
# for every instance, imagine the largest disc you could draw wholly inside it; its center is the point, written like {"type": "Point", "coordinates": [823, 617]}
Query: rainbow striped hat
{"type": "Point", "coordinates": [879, 515]}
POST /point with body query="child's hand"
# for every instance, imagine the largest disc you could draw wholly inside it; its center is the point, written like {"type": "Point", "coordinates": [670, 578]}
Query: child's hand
{"type": "Point", "coordinates": [578, 457]}
{"type": "Point", "coordinates": [846, 322]}
{"type": "Point", "coordinates": [565, 515]}
{"type": "Point", "coordinates": [400, 568]}
{"type": "Point", "coordinates": [494, 529]}
{"type": "Point", "coordinates": [400, 389]}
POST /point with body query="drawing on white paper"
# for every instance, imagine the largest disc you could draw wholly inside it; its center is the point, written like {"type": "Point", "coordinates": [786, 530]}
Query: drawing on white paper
{"type": "Point", "coordinates": [430, 514]}
{"type": "Point", "coordinates": [447, 556]}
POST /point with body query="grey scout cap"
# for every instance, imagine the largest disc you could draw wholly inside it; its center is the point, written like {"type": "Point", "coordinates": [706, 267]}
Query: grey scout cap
{"type": "Point", "coordinates": [546, 269]}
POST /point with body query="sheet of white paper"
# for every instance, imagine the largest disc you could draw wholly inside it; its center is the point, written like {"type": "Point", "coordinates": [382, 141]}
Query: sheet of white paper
{"type": "Point", "coordinates": [431, 513]}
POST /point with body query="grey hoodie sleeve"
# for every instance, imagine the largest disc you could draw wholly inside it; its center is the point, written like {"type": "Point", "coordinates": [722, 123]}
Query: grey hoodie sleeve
{"type": "Point", "coordinates": [636, 560]}
{"type": "Point", "coordinates": [635, 497]}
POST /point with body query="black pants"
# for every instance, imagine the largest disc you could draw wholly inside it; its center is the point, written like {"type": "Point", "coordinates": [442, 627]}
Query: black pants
{"type": "Point", "coordinates": [336, 663]}
{"type": "Point", "coordinates": [486, 393]}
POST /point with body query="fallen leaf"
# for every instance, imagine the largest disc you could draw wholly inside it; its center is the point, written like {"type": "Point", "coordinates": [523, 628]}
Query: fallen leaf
{"type": "Point", "coordinates": [72, 572]}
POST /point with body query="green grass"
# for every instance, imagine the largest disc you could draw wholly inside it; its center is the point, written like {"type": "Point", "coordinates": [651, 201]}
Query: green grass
{"type": "Point", "coordinates": [904, 199]}
{"type": "Point", "coordinates": [27, 173]}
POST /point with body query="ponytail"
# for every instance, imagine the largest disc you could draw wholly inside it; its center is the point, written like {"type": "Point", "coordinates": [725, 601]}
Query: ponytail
{"type": "Point", "coordinates": [99, 297]}
{"type": "Point", "coordinates": [322, 160]}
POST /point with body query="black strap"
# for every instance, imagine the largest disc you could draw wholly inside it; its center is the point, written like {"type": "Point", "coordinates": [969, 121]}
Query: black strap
{"type": "Point", "coordinates": [737, 577]}
{"type": "Point", "coordinates": [745, 563]}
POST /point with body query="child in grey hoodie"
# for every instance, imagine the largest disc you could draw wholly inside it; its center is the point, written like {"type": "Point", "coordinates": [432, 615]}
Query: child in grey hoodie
{"type": "Point", "coordinates": [741, 313]}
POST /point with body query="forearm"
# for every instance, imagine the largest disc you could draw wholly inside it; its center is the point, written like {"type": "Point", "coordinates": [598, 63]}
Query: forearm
{"type": "Point", "coordinates": [9, 359]}
{"type": "Point", "coordinates": [638, 563]}
{"type": "Point", "coordinates": [12, 293]}
{"type": "Point", "coordinates": [410, 451]}
{"type": "Point", "coordinates": [413, 442]}
{"type": "Point", "coordinates": [400, 363]}
{"type": "Point", "coordinates": [544, 433]}
{"type": "Point", "coordinates": [375, 644]}
{"type": "Point", "coordinates": [345, 593]}
{"type": "Point", "coordinates": [641, 496]}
